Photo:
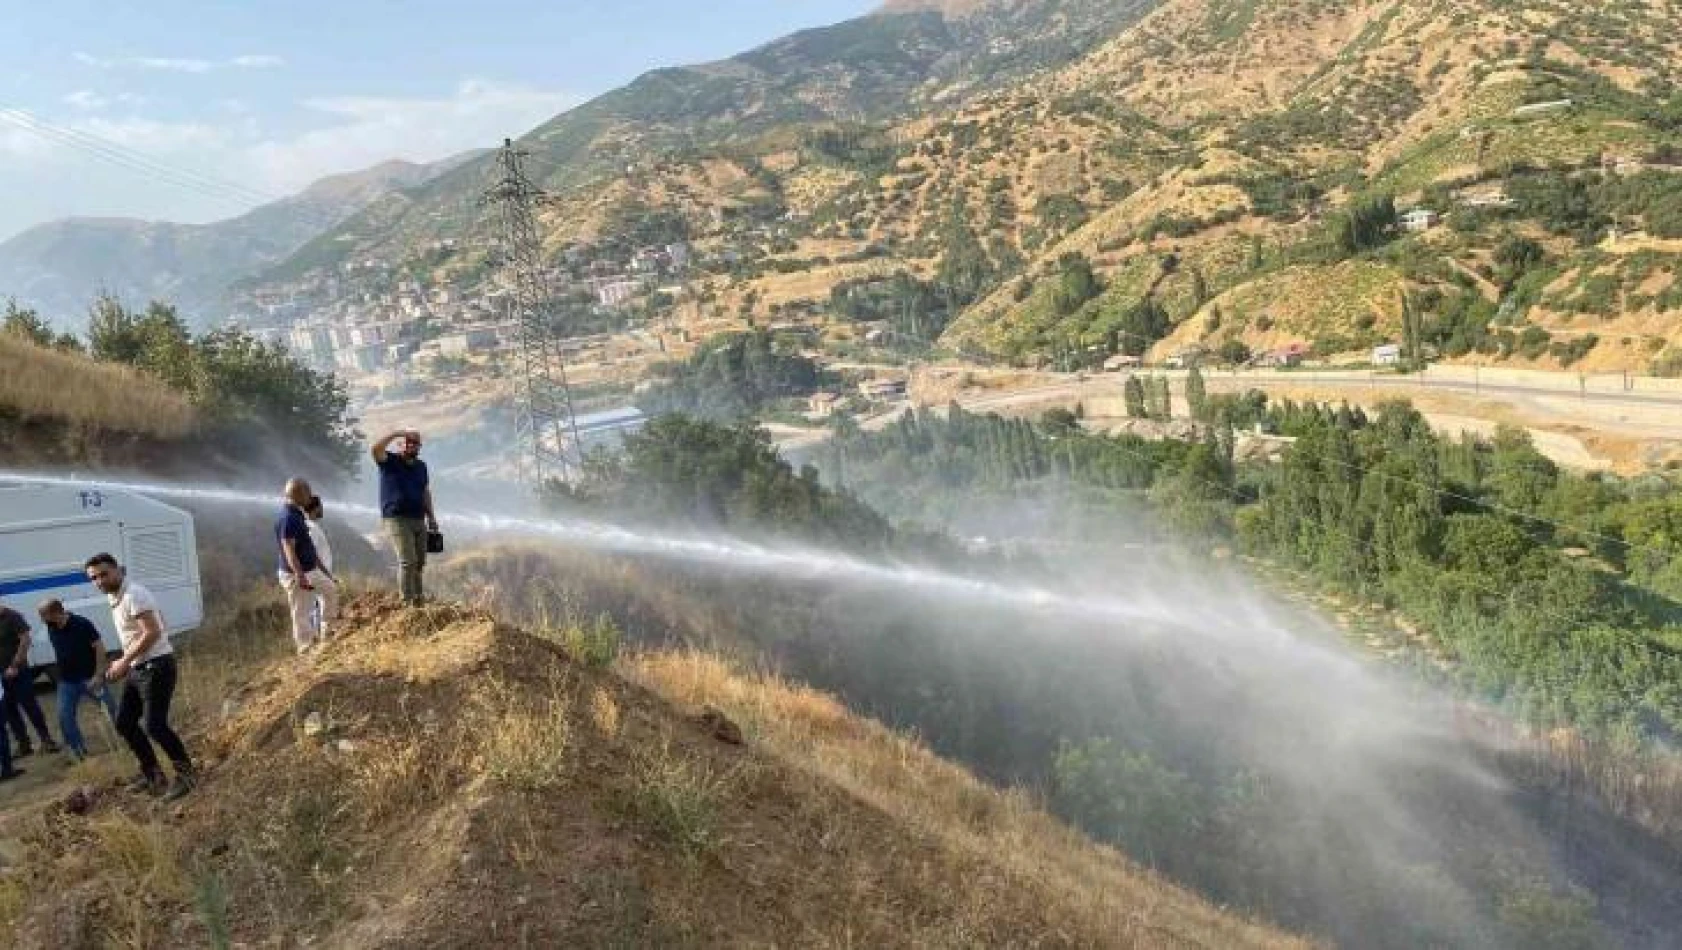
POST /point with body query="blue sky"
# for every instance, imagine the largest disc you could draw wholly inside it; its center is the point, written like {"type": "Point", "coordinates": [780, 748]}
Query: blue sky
{"type": "Point", "coordinates": [273, 95]}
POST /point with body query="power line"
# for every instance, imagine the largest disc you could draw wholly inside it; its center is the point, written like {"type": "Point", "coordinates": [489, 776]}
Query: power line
{"type": "Point", "coordinates": [94, 140]}
{"type": "Point", "coordinates": [128, 159]}
{"type": "Point", "coordinates": [97, 147]}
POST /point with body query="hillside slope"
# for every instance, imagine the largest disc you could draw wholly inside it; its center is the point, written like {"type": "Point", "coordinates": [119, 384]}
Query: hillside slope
{"type": "Point", "coordinates": [111, 416]}
{"type": "Point", "coordinates": [1533, 121]}
{"type": "Point", "coordinates": [58, 267]}
{"type": "Point", "coordinates": [435, 760]}
{"type": "Point", "coordinates": [863, 72]}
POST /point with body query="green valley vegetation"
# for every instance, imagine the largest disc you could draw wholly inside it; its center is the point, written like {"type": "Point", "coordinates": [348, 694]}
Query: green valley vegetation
{"type": "Point", "coordinates": [1555, 595]}
{"type": "Point", "coordinates": [1101, 720]}
{"type": "Point", "coordinates": [732, 377]}
{"type": "Point", "coordinates": [682, 470]}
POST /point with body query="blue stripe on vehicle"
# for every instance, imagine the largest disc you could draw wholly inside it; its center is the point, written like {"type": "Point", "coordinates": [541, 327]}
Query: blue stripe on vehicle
{"type": "Point", "coordinates": [29, 585]}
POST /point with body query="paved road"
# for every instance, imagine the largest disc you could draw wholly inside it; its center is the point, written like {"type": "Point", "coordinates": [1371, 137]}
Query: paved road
{"type": "Point", "coordinates": [1111, 385]}
{"type": "Point", "coordinates": [1560, 400]}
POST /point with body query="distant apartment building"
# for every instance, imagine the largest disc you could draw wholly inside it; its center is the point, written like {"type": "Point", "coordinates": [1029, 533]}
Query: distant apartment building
{"type": "Point", "coordinates": [370, 334]}
{"type": "Point", "coordinates": [469, 340]}
{"type": "Point", "coordinates": [313, 342]}
{"type": "Point", "coordinates": [367, 358]}
{"type": "Point", "coordinates": [616, 293]}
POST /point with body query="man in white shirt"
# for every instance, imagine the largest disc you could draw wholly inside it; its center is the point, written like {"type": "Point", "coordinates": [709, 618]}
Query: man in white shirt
{"type": "Point", "coordinates": [325, 615]}
{"type": "Point", "coordinates": [147, 671]}
{"type": "Point", "coordinates": [314, 511]}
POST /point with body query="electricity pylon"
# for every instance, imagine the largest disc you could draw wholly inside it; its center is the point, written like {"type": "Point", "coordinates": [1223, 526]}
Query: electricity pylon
{"type": "Point", "coordinates": [544, 426]}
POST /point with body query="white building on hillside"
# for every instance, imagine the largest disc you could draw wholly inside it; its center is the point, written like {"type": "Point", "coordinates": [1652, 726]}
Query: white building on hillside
{"type": "Point", "coordinates": [1419, 220]}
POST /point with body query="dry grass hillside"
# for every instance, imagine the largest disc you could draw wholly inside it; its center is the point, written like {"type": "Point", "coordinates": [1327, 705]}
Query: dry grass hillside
{"type": "Point", "coordinates": [40, 385]}
{"type": "Point", "coordinates": [1279, 113]}
{"type": "Point", "coordinates": [439, 779]}
{"type": "Point", "coordinates": [63, 409]}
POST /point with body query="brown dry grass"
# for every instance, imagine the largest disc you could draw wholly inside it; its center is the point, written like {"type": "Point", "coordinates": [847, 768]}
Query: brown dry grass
{"type": "Point", "coordinates": [462, 763]}
{"type": "Point", "coordinates": [1099, 897]}
{"type": "Point", "coordinates": [41, 384]}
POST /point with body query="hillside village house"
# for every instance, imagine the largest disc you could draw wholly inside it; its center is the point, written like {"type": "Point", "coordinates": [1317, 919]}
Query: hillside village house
{"type": "Point", "coordinates": [1389, 354]}
{"type": "Point", "coordinates": [1121, 361]}
{"type": "Point", "coordinates": [1190, 356]}
{"type": "Point", "coordinates": [1291, 354]}
{"type": "Point", "coordinates": [882, 388]}
{"type": "Point", "coordinates": [616, 293]}
{"type": "Point", "coordinates": [824, 404]}
{"type": "Point", "coordinates": [1420, 219]}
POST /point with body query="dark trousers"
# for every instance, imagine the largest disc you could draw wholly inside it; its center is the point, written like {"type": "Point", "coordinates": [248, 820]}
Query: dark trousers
{"type": "Point", "coordinates": [20, 701]}
{"type": "Point", "coordinates": [146, 693]}
{"type": "Point", "coordinates": [5, 752]}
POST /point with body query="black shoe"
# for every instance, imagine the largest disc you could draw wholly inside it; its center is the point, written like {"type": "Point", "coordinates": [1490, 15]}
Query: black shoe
{"type": "Point", "coordinates": [49, 746]}
{"type": "Point", "coordinates": [145, 785]}
{"type": "Point", "coordinates": [179, 788]}
{"type": "Point", "coordinates": [8, 776]}
{"type": "Point", "coordinates": [23, 751]}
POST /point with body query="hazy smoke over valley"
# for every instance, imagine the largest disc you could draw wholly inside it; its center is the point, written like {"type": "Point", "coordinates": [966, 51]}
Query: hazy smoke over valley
{"type": "Point", "coordinates": [1157, 699]}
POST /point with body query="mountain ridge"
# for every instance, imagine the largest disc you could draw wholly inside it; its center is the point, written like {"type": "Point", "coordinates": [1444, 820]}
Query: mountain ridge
{"type": "Point", "coordinates": [872, 71]}
{"type": "Point", "coordinates": [58, 266]}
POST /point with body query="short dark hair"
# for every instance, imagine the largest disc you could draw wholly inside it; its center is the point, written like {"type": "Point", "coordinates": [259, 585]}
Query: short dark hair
{"type": "Point", "coordinates": [51, 605]}
{"type": "Point", "coordinates": [100, 560]}
{"type": "Point", "coordinates": [314, 505]}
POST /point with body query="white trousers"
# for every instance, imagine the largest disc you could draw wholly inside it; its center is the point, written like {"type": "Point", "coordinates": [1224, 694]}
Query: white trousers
{"type": "Point", "coordinates": [307, 629]}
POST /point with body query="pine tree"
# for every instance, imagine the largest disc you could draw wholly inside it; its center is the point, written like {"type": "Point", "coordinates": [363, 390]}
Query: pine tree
{"type": "Point", "coordinates": [1197, 396]}
{"type": "Point", "coordinates": [1412, 358]}
{"type": "Point", "coordinates": [1134, 394]}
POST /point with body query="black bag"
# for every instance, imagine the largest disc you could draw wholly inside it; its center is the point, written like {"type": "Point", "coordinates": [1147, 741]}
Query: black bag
{"type": "Point", "coordinates": [435, 542]}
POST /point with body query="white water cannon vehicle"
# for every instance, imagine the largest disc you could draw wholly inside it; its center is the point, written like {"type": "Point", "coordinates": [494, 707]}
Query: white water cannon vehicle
{"type": "Point", "coordinates": [49, 530]}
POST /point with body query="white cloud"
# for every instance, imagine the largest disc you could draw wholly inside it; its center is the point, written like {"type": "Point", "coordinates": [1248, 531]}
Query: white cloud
{"type": "Point", "coordinates": [86, 100]}
{"type": "Point", "coordinates": [54, 178]}
{"type": "Point", "coordinates": [170, 64]}
{"type": "Point", "coordinates": [365, 130]}
{"type": "Point", "coordinates": [161, 139]}
{"type": "Point", "coordinates": [90, 100]}
{"type": "Point", "coordinates": [178, 64]}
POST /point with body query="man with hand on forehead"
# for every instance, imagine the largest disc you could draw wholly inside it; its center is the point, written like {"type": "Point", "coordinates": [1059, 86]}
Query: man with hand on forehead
{"type": "Point", "coordinates": [406, 506]}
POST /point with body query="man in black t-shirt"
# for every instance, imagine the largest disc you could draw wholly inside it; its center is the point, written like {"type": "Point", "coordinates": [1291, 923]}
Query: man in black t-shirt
{"type": "Point", "coordinates": [19, 701]}
{"type": "Point", "coordinates": [80, 654]}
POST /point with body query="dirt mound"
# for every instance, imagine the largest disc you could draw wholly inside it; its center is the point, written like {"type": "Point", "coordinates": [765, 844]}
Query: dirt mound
{"type": "Point", "coordinates": [434, 778]}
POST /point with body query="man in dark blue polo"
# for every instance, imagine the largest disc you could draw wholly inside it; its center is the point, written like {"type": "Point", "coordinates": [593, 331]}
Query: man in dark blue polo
{"type": "Point", "coordinates": [406, 507]}
{"type": "Point", "coordinates": [312, 596]}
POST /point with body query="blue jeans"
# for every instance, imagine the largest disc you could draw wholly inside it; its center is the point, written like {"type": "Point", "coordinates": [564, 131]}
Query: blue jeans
{"type": "Point", "coordinates": [70, 693]}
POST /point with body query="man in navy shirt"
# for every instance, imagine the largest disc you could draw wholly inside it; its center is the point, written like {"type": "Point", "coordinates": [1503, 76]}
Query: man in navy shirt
{"type": "Point", "coordinates": [406, 507]}
{"type": "Point", "coordinates": [80, 654]}
{"type": "Point", "coordinates": [307, 586]}
{"type": "Point", "coordinates": [18, 701]}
